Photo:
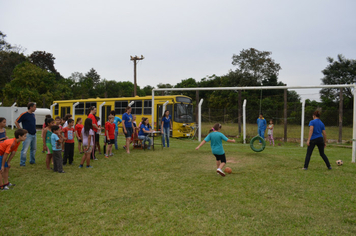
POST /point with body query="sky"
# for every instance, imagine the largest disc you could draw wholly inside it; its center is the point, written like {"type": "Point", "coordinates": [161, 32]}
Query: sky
{"type": "Point", "coordinates": [183, 39]}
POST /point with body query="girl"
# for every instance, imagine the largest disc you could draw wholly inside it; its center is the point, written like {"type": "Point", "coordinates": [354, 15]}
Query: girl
{"type": "Point", "coordinates": [216, 146]}
{"type": "Point", "coordinates": [145, 129]}
{"type": "Point", "coordinates": [317, 136]}
{"type": "Point", "coordinates": [78, 133]}
{"type": "Point", "coordinates": [127, 126]}
{"type": "Point", "coordinates": [270, 132]}
{"type": "Point", "coordinates": [88, 142]}
{"type": "Point", "coordinates": [44, 148]}
{"type": "Point", "coordinates": [97, 136]}
{"type": "Point", "coordinates": [166, 126]}
{"type": "Point", "coordinates": [46, 137]}
{"type": "Point", "coordinates": [3, 136]}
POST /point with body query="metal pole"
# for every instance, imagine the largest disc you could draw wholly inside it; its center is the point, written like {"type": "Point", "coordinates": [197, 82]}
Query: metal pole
{"type": "Point", "coordinates": [164, 107]}
{"type": "Point", "coordinates": [199, 120]}
{"type": "Point", "coordinates": [354, 128]}
{"type": "Point", "coordinates": [51, 108]}
{"type": "Point", "coordinates": [12, 115]}
{"type": "Point", "coordinates": [302, 124]}
{"type": "Point", "coordinates": [74, 105]}
{"type": "Point", "coordinates": [244, 119]}
{"type": "Point", "coordinates": [153, 109]}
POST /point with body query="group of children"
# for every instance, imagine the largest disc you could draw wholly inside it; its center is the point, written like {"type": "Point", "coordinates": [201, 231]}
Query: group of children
{"type": "Point", "coordinates": [262, 125]}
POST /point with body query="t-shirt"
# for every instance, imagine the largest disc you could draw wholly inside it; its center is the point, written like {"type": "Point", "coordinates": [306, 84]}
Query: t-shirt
{"type": "Point", "coordinates": [78, 128]}
{"type": "Point", "coordinates": [167, 121]}
{"type": "Point", "coordinates": [28, 121]}
{"type": "Point", "coordinates": [116, 121]}
{"type": "Point", "coordinates": [69, 134]}
{"type": "Point", "coordinates": [95, 122]}
{"type": "Point", "coordinates": [262, 123]}
{"type": "Point", "coordinates": [8, 146]}
{"type": "Point", "coordinates": [128, 120]}
{"type": "Point", "coordinates": [147, 128]}
{"type": "Point", "coordinates": [318, 128]}
{"type": "Point", "coordinates": [216, 143]}
{"type": "Point", "coordinates": [110, 127]}
{"type": "Point", "coordinates": [85, 137]}
{"type": "Point", "coordinates": [56, 145]}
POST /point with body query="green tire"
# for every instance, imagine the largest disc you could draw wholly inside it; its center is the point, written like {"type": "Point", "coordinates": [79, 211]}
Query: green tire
{"type": "Point", "coordinates": [259, 138]}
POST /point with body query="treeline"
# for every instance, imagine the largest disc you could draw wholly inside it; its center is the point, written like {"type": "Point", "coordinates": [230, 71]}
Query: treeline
{"type": "Point", "coordinates": [35, 78]}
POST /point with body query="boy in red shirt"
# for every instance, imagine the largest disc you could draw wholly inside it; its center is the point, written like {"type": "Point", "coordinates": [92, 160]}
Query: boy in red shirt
{"type": "Point", "coordinates": [78, 132]}
{"type": "Point", "coordinates": [110, 135]}
{"type": "Point", "coordinates": [8, 149]}
{"type": "Point", "coordinates": [69, 142]}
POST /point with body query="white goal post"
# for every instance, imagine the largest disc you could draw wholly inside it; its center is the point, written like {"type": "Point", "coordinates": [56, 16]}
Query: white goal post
{"type": "Point", "coordinates": [271, 87]}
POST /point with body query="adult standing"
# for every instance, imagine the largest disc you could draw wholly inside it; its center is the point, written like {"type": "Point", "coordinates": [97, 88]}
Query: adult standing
{"type": "Point", "coordinates": [127, 126]}
{"type": "Point", "coordinates": [91, 115]}
{"type": "Point", "coordinates": [28, 121]}
{"type": "Point", "coordinates": [117, 121]}
{"type": "Point", "coordinates": [262, 125]}
{"type": "Point", "coordinates": [317, 136]}
{"type": "Point", "coordinates": [166, 126]}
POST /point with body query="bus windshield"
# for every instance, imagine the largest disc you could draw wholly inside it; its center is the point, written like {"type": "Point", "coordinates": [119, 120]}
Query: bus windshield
{"type": "Point", "coordinates": [183, 113]}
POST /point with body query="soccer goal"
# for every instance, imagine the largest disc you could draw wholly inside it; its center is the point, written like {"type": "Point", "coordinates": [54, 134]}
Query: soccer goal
{"type": "Point", "coordinates": [267, 88]}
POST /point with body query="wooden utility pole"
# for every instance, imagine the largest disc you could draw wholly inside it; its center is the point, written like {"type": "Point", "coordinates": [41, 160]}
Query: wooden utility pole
{"type": "Point", "coordinates": [135, 59]}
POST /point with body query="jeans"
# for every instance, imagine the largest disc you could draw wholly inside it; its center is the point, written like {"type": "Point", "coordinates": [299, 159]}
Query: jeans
{"type": "Point", "coordinates": [116, 133]}
{"type": "Point", "coordinates": [146, 139]}
{"type": "Point", "coordinates": [320, 143]}
{"type": "Point", "coordinates": [30, 140]}
{"type": "Point", "coordinates": [165, 134]}
{"type": "Point", "coordinates": [261, 133]}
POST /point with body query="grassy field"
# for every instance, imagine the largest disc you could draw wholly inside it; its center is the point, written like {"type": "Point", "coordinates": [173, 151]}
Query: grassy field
{"type": "Point", "coordinates": [176, 191]}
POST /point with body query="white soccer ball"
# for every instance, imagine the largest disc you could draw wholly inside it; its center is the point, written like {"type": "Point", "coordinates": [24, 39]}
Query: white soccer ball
{"type": "Point", "coordinates": [339, 162]}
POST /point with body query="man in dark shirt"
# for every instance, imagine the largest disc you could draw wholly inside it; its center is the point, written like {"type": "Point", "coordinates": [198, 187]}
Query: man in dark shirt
{"type": "Point", "coordinates": [28, 121]}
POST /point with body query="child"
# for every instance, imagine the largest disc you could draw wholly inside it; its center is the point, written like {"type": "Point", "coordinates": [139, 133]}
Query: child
{"type": "Point", "coordinates": [262, 125]}
{"type": "Point", "coordinates": [69, 142]}
{"type": "Point", "coordinates": [3, 136]}
{"type": "Point", "coordinates": [65, 119]}
{"type": "Point", "coordinates": [78, 133]}
{"type": "Point", "coordinates": [44, 148]}
{"type": "Point", "coordinates": [270, 132]}
{"type": "Point", "coordinates": [145, 129]}
{"type": "Point", "coordinates": [46, 137]}
{"type": "Point", "coordinates": [110, 135]}
{"type": "Point", "coordinates": [88, 141]}
{"type": "Point", "coordinates": [8, 149]}
{"type": "Point", "coordinates": [56, 142]}
{"type": "Point", "coordinates": [216, 146]}
{"type": "Point", "coordinates": [97, 144]}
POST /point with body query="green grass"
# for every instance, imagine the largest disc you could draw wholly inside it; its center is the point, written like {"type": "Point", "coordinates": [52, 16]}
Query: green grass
{"type": "Point", "coordinates": [176, 191]}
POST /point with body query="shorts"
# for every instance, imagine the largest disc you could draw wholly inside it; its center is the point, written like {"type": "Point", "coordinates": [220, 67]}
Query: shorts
{"type": "Point", "coordinates": [129, 132]}
{"type": "Point", "coordinates": [221, 158]}
{"type": "Point", "coordinates": [110, 141]}
{"type": "Point", "coordinates": [6, 165]}
{"type": "Point", "coordinates": [89, 150]}
{"type": "Point", "coordinates": [49, 148]}
{"type": "Point", "coordinates": [79, 140]}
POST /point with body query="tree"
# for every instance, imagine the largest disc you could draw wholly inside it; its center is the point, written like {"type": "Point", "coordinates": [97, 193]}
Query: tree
{"type": "Point", "coordinates": [4, 46]}
{"type": "Point", "coordinates": [147, 90]}
{"type": "Point", "coordinates": [187, 83]}
{"type": "Point", "coordinates": [92, 74]}
{"type": "Point", "coordinates": [160, 85]}
{"type": "Point", "coordinates": [342, 71]}
{"type": "Point", "coordinates": [43, 60]}
{"type": "Point", "coordinates": [257, 64]}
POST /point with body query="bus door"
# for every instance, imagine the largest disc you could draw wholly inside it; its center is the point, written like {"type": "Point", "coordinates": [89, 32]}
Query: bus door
{"type": "Point", "coordinates": [169, 107]}
{"type": "Point", "coordinates": [105, 112]}
{"type": "Point", "coordinates": [65, 111]}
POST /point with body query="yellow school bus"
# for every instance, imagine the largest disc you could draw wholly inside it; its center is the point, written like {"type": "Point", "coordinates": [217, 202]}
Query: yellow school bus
{"type": "Point", "coordinates": [180, 108]}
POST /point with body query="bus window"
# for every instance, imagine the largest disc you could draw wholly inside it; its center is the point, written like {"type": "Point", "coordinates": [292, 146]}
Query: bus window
{"type": "Point", "coordinates": [184, 99]}
{"type": "Point", "coordinates": [147, 107]}
{"type": "Point", "coordinates": [183, 113]}
{"type": "Point", "coordinates": [137, 108]}
{"type": "Point", "coordinates": [79, 109]}
{"type": "Point", "coordinates": [56, 110]}
{"type": "Point", "coordinates": [89, 104]}
{"type": "Point", "coordinates": [120, 107]}
{"type": "Point", "coordinates": [65, 111]}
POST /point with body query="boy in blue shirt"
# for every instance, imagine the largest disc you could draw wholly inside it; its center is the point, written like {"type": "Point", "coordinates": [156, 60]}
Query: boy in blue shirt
{"type": "Point", "coordinates": [57, 149]}
{"type": "Point", "coordinates": [262, 125]}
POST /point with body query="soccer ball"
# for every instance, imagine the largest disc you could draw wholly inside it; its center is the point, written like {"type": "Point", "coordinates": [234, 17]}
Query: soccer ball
{"type": "Point", "coordinates": [228, 170]}
{"type": "Point", "coordinates": [339, 162]}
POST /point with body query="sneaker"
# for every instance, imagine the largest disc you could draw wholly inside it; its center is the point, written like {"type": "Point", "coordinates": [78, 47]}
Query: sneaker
{"type": "Point", "coordinates": [111, 154]}
{"type": "Point", "coordinates": [220, 172]}
{"type": "Point", "coordinates": [11, 185]}
{"type": "Point", "coordinates": [6, 188]}
{"type": "Point", "coordinates": [89, 167]}
{"type": "Point", "coordinates": [124, 147]}
{"type": "Point", "coordinates": [304, 168]}
{"type": "Point", "coordinates": [106, 156]}
{"type": "Point", "coordinates": [61, 172]}
{"type": "Point", "coordinates": [80, 166]}
{"type": "Point", "coordinates": [330, 168]}
{"type": "Point", "coordinates": [95, 159]}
